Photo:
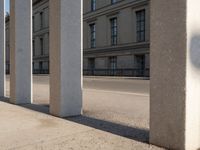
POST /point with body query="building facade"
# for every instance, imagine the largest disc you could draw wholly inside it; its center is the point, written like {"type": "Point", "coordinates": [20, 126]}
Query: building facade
{"type": "Point", "coordinates": [40, 38]}
{"type": "Point", "coordinates": [115, 37]}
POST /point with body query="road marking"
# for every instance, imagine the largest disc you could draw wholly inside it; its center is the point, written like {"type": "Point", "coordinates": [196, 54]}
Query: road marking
{"type": "Point", "coordinates": [117, 92]}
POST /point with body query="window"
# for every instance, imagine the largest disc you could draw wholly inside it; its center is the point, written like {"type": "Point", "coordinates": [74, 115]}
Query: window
{"type": "Point", "coordinates": [33, 23]}
{"type": "Point", "coordinates": [41, 19]}
{"type": "Point", "coordinates": [42, 46]}
{"type": "Point", "coordinates": [91, 63]}
{"type": "Point", "coordinates": [47, 43]}
{"type": "Point", "coordinates": [33, 47]}
{"type": "Point", "coordinates": [92, 35]}
{"type": "Point", "coordinates": [140, 65]}
{"type": "Point", "coordinates": [93, 5]}
{"type": "Point", "coordinates": [114, 31]}
{"type": "Point", "coordinates": [45, 66]}
{"type": "Point", "coordinates": [140, 16]}
{"type": "Point", "coordinates": [33, 65]}
{"type": "Point", "coordinates": [113, 62]}
{"type": "Point", "coordinates": [40, 65]}
{"type": "Point", "coordinates": [113, 1]}
{"type": "Point", "coordinates": [140, 62]}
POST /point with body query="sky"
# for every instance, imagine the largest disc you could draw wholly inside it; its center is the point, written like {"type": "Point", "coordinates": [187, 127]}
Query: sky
{"type": "Point", "coordinates": [7, 5]}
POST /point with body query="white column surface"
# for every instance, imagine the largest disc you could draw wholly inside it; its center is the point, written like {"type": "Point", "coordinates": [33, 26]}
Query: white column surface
{"type": "Point", "coordinates": [65, 58]}
{"type": "Point", "coordinates": [21, 51]}
{"type": "Point", "coordinates": [2, 48]}
{"type": "Point", "coordinates": [175, 74]}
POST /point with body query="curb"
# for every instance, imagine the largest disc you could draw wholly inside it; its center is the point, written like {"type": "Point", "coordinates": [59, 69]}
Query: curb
{"type": "Point", "coordinates": [115, 77]}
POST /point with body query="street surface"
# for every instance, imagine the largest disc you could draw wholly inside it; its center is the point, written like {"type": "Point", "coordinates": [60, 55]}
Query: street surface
{"type": "Point", "coordinates": [140, 87]}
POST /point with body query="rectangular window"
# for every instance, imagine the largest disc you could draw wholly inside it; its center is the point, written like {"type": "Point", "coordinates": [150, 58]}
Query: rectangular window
{"type": "Point", "coordinates": [93, 35]}
{"type": "Point", "coordinates": [113, 1]}
{"type": "Point", "coordinates": [140, 65]}
{"type": "Point", "coordinates": [41, 19]}
{"type": "Point", "coordinates": [40, 66]}
{"type": "Point", "coordinates": [33, 23]}
{"type": "Point", "coordinates": [113, 62]}
{"type": "Point", "coordinates": [33, 65]}
{"type": "Point", "coordinates": [91, 63]}
{"type": "Point", "coordinates": [42, 46]}
{"type": "Point", "coordinates": [140, 24]}
{"type": "Point", "coordinates": [114, 31]}
{"type": "Point", "coordinates": [93, 5]}
{"type": "Point", "coordinates": [33, 47]}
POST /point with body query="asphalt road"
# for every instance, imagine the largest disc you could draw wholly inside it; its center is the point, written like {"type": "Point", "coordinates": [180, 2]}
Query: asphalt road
{"type": "Point", "coordinates": [124, 85]}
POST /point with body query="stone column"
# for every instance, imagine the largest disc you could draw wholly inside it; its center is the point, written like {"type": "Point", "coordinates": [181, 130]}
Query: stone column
{"type": "Point", "coordinates": [21, 51]}
{"type": "Point", "coordinates": [65, 58]}
{"type": "Point", "coordinates": [175, 74]}
{"type": "Point", "coordinates": [2, 48]}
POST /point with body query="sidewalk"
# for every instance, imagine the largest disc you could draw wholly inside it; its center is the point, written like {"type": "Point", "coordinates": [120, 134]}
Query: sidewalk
{"type": "Point", "coordinates": [22, 128]}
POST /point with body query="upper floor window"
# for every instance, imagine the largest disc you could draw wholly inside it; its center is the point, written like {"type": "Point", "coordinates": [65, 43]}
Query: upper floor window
{"type": "Point", "coordinates": [140, 23]}
{"type": "Point", "coordinates": [93, 5]}
{"type": "Point", "coordinates": [33, 23]}
{"type": "Point", "coordinates": [33, 47]}
{"type": "Point", "coordinates": [114, 31]}
{"type": "Point", "coordinates": [113, 1]}
{"type": "Point", "coordinates": [92, 35]}
{"type": "Point", "coordinates": [41, 19]}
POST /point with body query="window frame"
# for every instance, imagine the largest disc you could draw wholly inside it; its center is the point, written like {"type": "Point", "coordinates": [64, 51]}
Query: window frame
{"type": "Point", "coordinates": [141, 25]}
{"type": "Point", "coordinates": [113, 1]}
{"type": "Point", "coordinates": [114, 30]}
{"type": "Point", "coordinates": [41, 19]}
{"type": "Point", "coordinates": [113, 62]}
{"type": "Point", "coordinates": [93, 5]}
{"type": "Point", "coordinates": [33, 47]}
{"type": "Point", "coordinates": [41, 46]}
{"type": "Point", "coordinates": [92, 35]}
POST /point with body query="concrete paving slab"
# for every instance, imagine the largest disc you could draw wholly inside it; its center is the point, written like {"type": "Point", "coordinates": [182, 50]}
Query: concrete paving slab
{"type": "Point", "coordinates": [113, 119]}
{"type": "Point", "coordinates": [22, 128]}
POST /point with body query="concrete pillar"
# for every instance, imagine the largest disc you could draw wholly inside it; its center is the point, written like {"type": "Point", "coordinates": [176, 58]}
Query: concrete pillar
{"type": "Point", "coordinates": [65, 58]}
{"type": "Point", "coordinates": [175, 74]}
{"type": "Point", "coordinates": [21, 51]}
{"type": "Point", "coordinates": [2, 48]}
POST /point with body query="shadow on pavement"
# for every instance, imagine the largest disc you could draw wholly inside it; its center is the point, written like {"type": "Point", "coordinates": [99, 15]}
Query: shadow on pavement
{"type": "Point", "coordinates": [141, 135]}
{"type": "Point", "coordinates": [43, 108]}
{"type": "Point", "coordinates": [37, 107]}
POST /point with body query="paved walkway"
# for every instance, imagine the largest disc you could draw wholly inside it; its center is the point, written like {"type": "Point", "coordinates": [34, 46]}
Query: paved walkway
{"type": "Point", "coordinates": [105, 124]}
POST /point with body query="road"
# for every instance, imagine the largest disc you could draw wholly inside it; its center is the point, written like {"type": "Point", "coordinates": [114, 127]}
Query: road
{"type": "Point", "coordinates": [123, 101]}
{"type": "Point", "coordinates": [118, 85]}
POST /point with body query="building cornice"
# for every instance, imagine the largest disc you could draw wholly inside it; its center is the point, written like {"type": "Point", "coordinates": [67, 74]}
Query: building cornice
{"type": "Point", "coordinates": [38, 3]}
{"type": "Point", "coordinates": [114, 8]}
{"type": "Point", "coordinates": [135, 47]}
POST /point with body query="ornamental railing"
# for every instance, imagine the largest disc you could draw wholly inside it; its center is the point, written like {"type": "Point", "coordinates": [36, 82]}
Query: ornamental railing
{"type": "Point", "coordinates": [117, 72]}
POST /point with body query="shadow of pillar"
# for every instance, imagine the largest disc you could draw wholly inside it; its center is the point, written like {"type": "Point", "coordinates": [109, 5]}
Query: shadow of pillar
{"type": "Point", "coordinates": [134, 133]}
